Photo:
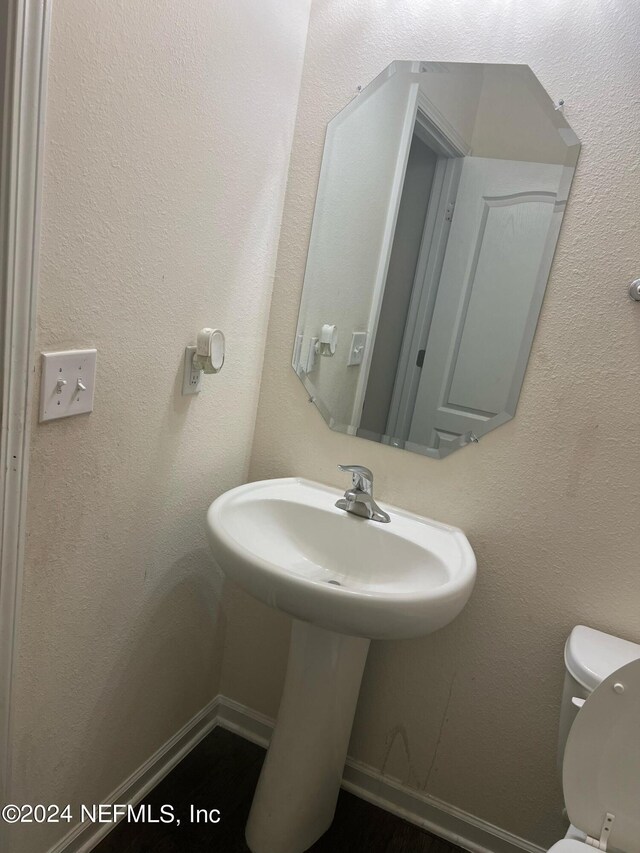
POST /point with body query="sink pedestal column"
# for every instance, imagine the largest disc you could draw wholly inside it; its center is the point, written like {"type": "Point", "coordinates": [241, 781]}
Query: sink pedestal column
{"type": "Point", "coordinates": [298, 788]}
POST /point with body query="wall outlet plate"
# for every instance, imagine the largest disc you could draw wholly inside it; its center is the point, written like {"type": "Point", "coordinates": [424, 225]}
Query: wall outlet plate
{"type": "Point", "coordinates": [191, 378]}
{"type": "Point", "coordinates": [68, 382]}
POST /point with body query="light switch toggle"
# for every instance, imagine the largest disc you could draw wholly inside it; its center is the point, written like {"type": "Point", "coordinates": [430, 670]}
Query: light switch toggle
{"type": "Point", "coordinates": [81, 386]}
{"type": "Point", "coordinates": [60, 385]}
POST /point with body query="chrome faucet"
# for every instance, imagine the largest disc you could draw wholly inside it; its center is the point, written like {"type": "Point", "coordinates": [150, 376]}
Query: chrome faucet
{"type": "Point", "coordinates": [359, 498]}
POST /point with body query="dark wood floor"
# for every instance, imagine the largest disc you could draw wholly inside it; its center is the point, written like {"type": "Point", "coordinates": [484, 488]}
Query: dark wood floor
{"type": "Point", "coordinates": [221, 773]}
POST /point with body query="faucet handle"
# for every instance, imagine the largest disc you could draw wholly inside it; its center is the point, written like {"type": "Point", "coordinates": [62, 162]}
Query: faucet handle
{"type": "Point", "coordinates": [362, 478]}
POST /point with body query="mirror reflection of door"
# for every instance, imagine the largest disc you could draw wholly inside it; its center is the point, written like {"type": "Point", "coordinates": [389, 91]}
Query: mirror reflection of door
{"type": "Point", "coordinates": [474, 360]}
{"type": "Point", "coordinates": [452, 322]}
{"type": "Point", "coordinates": [441, 195]}
{"type": "Point", "coordinates": [417, 252]}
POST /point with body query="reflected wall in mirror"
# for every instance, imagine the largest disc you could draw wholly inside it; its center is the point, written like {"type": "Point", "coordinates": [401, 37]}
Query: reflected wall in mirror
{"type": "Point", "coordinates": [441, 194]}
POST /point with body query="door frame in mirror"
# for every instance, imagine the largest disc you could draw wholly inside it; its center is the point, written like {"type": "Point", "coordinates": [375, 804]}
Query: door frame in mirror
{"type": "Point", "coordinates": [439, 135]}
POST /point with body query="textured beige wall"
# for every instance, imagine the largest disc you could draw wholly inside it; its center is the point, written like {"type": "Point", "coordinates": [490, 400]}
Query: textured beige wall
{"type": "Point", "coordinates": [548, 501]}
{"type": "Point", "coordinates": [168, 135]}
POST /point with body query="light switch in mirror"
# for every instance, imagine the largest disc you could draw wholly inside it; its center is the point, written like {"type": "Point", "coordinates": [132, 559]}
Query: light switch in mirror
{"type": "Point", "coordinates": [441, 195]}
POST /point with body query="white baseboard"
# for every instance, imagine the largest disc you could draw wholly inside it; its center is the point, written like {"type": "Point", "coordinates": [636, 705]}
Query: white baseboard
{"type": "Point", "coordinates": [85, 836]}
{"type": "Point", "coordinates": [434, 815]}
{"type": "Point", "coordinates": [442, 819]}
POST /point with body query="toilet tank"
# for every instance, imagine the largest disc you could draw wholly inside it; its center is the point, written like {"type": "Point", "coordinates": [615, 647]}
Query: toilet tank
{"type": "Point", "coordinates": [590, 656]}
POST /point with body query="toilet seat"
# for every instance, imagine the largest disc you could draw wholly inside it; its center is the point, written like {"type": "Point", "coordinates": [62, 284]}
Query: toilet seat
{"type": "Point", "coordinates": [570, 845]}
{"type": "Point", "coordinates": [601, 769]}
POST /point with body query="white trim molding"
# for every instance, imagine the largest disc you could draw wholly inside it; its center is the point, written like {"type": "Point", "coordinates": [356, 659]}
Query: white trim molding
{"type": "Point", "coordinates": [27, 35]}
{"type": "Point", "coordinates": [439, 130]}
{"type": "Point", "coordinates": [421, 809]}
{"type": "Point", "coordinates": [430, 813]}
{"type": "Point", "coordinates": [85, 836]}
{"type": "Point", "coordinates": [434, 815]}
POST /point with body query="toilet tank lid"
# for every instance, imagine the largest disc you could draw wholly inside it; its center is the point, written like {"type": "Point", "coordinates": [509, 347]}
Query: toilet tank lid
{"type": "Point", "coordinates": [591, 656]}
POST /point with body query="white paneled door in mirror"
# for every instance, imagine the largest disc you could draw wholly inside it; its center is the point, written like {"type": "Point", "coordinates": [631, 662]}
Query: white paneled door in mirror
{"type": "Point", "coordinates": [441, 195]}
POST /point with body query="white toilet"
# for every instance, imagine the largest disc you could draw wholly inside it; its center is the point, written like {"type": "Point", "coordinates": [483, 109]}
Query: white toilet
{"type": "Point", "coordinates": [599, 745]}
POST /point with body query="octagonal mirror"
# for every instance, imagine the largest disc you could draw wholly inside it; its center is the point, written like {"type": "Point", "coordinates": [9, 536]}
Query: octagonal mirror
{"type": "Point", "coordinates": [441, 196]}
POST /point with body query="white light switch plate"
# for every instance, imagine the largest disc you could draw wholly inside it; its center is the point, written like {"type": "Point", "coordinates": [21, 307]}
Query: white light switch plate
{"type": "Point", "coordinates": [63, 376]}
{"type": "Point", "coordinates": [356, 351]}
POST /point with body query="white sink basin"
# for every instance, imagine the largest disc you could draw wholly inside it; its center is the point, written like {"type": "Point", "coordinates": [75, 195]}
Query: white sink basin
{"type": "Point", "coordinates": [345, 580]}
{"type": "Point", "coordinates": [286, 543]}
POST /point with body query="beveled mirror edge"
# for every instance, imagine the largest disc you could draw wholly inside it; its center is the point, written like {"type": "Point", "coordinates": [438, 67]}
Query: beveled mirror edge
{"type": "Point", "coordinates": [573, 147]}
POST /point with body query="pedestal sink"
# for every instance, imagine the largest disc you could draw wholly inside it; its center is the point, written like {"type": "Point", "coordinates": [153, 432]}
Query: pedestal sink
{"type": "Point", "coordinates": [345, 580]}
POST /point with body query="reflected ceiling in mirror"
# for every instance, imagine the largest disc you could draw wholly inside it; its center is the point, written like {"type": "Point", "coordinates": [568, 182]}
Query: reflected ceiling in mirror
{"type": "Point", "coordinates": [441, 195]}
